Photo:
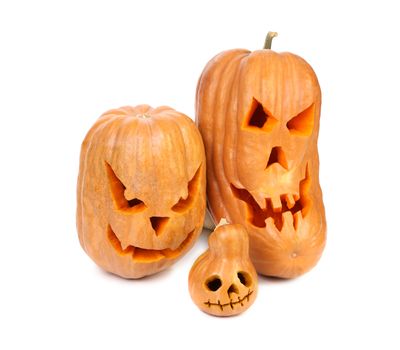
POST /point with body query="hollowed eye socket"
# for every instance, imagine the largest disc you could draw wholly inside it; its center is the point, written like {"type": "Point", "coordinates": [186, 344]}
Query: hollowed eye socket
{"type": "Point", "coordinates": [244, 278]}
{"type": "Point", "coordinates": [303, 123]}
{"type": "Point", "coordinates": [193, 186]}
{"type": "Point", "coordinates": [213, 283]}
{"type": "Point", "coordinates": [134, 202]}
{"type": "Point", "coordinates": [117, 189]}
{"type": "Point", "coordinates": [259, 118]}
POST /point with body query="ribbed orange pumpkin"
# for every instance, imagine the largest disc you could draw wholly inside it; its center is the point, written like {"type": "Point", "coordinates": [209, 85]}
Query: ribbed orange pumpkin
{"type": "Point", "coordinates": [258, 113]}
{"type": "Point", "coordinates": [141, 189]}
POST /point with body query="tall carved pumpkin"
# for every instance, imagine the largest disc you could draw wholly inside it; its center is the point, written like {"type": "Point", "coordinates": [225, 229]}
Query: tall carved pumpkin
{"type": "Point", "coordinates": [258, 113]}
{"type": "Point", "coordinates": [141, 189]}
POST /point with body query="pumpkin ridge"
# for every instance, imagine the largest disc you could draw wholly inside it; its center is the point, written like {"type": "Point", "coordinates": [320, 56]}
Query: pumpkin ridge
{"type": "Point", "coordinates": [215, 128]}
{"type": "Point", "coordinates": [239, 81]}
{"type": "Point", "coordinates": [229, 168]}
{"type": "Point", "coordinates": [87, 146]}
{"type": "Point", "coordinates": [182, 141]}
{"type": "Point", "coordinates": [219, 130]}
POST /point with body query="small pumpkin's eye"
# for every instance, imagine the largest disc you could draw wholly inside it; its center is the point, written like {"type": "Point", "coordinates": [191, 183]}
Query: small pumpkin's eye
{"type": "Point", "coordinates": [186, 203]}
{"type": "Point", "coordinates": [259, 118]}
{"type": "Point", "coordinates": [303, 123]}
{"type": "Point", "coordinates": [244, 278]}
{"type": "Point", "coordinates": [213, 283]}
{"type": "Point", "coordinates": [117, 189]}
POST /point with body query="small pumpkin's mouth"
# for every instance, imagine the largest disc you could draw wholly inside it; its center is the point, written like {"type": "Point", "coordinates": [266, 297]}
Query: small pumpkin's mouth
{"type": "Point", "coordinates": [293, 204]}
{"type": "Point", "coordinates": [232, 303]}
{"type": "Point", "coordinates": [147, 255]}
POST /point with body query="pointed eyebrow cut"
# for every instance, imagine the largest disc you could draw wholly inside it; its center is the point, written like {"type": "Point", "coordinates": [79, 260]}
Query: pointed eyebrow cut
{"type": "Point", "coordinates": [193, 186]}
{"type": "Point", "coordinates": [117, 189]}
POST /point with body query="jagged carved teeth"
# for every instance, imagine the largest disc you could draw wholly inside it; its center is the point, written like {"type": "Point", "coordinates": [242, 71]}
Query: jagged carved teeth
{"type": "Point", "coordinates": [278, 210]}
{"type": "Point", "coordinates": [261, 208]}
{"type": "Point", "coordinates": [282, 209]}
{"type": "Point", "coordinates": [277, 203]}
{"type": "Point", "coordinates": [281, 203]}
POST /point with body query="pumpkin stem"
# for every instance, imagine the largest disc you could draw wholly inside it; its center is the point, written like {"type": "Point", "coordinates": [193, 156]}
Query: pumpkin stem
{"type": "Point", "coordinates": [222, 222]}
{"type": "Point", "coordinates": [268, 40]}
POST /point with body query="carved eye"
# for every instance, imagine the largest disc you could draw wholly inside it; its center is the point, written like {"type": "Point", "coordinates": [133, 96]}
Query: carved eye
{"type": "Point", "coordinates": [117, 189]}
{"type": "Point", "coordinates": [244, 278]}
{"type": "Point", "coordinates": [303, 123]}
{"type": "Point", "coordinates": [213, 283]}
{"type": "Point", "coordinates": [193, 185]}
{"type": "Point", "coordinates": [259, 118]}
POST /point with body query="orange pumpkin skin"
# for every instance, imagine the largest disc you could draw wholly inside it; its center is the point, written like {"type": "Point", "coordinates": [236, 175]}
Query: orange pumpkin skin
{"type": "Point", "coordinates": [258, 113]}
{"type": "Point", "coordinates": [141, 189]}
{"type": "Point", "coordinates": [223, 280]}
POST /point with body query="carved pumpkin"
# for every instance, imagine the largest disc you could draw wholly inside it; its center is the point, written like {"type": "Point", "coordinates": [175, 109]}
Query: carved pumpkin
{"type": "Point", "coordinates": [141, 189]}
{"type": "Point", "coordinates": [223, 281]}
{"type": "Point", "coordinates": [258, 113]}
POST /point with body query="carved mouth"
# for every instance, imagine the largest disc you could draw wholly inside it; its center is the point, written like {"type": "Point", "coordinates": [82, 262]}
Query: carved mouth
{"type": "Point", "coordinates": [147, 255]}
{"type": "Point", "coordinates": [294, 204]}
{"type": "Point", "coordinates": [231, 303]}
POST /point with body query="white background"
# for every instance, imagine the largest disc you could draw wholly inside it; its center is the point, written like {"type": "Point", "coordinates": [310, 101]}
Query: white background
{"type": "Point", "coordinates": [62, 64]}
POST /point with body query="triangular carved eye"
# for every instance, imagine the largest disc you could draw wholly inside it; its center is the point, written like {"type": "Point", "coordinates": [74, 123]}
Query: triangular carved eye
{"type": "Point", "coordinates": [117, 189]}
{"type": "Point", "coordinates": [303, 123]}
{"type": "Point", "coordinates": [193, 186]}
{"type": "Point", "coordinates": [259, 118]}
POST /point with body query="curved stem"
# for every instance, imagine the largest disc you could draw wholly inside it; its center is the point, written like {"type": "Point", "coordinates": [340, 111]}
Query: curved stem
{"type": "Point", "coordinates": [222, 222]}
{"type": "Point", "coordinates": [268, 40]}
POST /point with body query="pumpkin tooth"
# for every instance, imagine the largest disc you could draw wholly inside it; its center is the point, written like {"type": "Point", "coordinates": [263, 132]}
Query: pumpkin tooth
{"type": "Point", "coordinates": [297, 220]}
{"type": "Point", "coordinates": [276, 204]}
{"type": "Point", "coordinates": [133, 251]}
{"type": "Point", "coordinates": [261, 201]}
{"type": "Point", "coordinates": [270, 224]}
{"type": "Point", "coordinates": [125, 245]}
{"type": "Point", "coordinates": [287, 217]}
{"type": "Point", "coordinates": [290, 201]}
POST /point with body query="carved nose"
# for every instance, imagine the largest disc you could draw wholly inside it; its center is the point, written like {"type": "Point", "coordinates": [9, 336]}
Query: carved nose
{"type": "Point", "coordinates": [277, 156]}
{"type": "Point", "coordinates": [233, 289]}
{"type": "Point", "coordinates": [158, 224]}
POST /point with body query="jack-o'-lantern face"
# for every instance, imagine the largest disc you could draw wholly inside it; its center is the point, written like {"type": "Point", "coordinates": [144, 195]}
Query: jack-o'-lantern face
{"type": "Point", "coordinates": [142, 184]}
{"type": "Point", "coordinates": [274, 144]}
{"type": "Point", "coordinates": [148, 225]}
{"type": "Point", "coordinates": [223, 281]}
{"type": "Point", "coordinates": [260, 134]}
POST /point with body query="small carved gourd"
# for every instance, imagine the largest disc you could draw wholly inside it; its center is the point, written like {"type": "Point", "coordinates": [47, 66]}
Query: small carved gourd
{"type": "Point", "coordinates": [223, 280]}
